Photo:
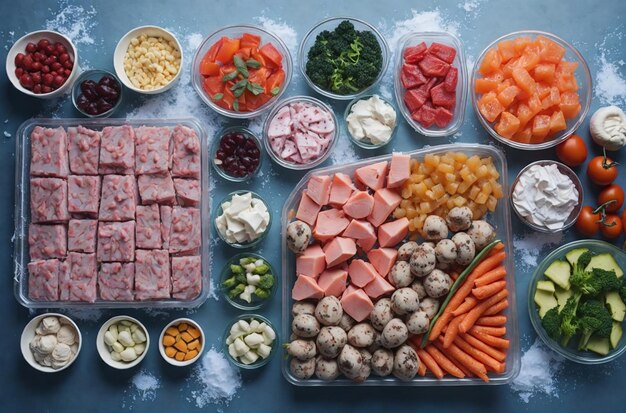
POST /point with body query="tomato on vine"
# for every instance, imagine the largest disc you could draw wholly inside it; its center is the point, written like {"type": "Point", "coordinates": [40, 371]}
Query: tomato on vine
{"type": "Point", "coordinates": [612, 196]}
{"type": "Point", "coordinates": [588, 221]}
{"type": "Point", "coordinates": [602, 170]}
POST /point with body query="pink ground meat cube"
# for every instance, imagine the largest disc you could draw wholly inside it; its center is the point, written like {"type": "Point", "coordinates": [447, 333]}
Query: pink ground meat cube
{"type": "Point", "coordinates": [84, 150]}
{"type": "Point", "coordinates": [116, 241]}
{"type": "Point", "coordinates": [64, 281]}
{"type": "Point", "coordinates": [48, 152]}
{"type": "Point", "coordinates": [83, 277]}
{"type": "Point", "coordinates": [187, 191]}
{"type": "Point", "coordinates": [118, 198]}
{"type": "Point", "coordinates": [185, 233]}
{"type": "Point", "coordinates": [148, 228]}
{"type": "Point", "coordinates": [152, 274]}
{"type": "Point", "coordinates": [117, 149]}
{"type": "Point", "coordinates": [156, 189]}
{"type": "Point", "coordinates": [83, 195]}
{"type": "Point", "coordinates": [166, 225]}
{"type": "Point", "coordinates": [116, 281]}
{"type": "Point", "coordinates": [152, 149]}
{"type": "Point", "coordinates": [48, 200]}
{"type": "Point", "coordinates": [43, 280]}
{"type": "Point", "coordinates": [186, 153]}
{"type": "Point", "coordinates": [186, 277]}
{"type": "Point", "coordinates": [47, 241]}
{"type": "Point", "coordinates": [81, 235]}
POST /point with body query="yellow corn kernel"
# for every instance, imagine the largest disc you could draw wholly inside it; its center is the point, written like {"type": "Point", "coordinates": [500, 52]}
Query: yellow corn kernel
{"type": "Point", "coordinates": [432, 160]}
{"type": "Point", "coordinates": [473, 192]}
{"type": "Point", "coordinates": [481, 198]}
{"type": "Point", "coordinates": [445, 168]}
{"type": "Point", "coordinates": [399, 213]}
{"type": "Point", "coordinates": [438, 191]}
{"type": "Point", "coordinates": [491, 203]}
{"type": "Point", "coordinates": [452, 187]}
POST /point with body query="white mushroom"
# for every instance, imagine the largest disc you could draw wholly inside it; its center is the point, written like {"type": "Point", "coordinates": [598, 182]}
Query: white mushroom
{"type": "Point", "coordinates": [329, 311]}
{"type": "Point", "coordinates": [459, 218]}
{"type": "Point", "coordinates": [406, 250]}
{"type": "Point", "coordinates": [430, 306]}
{"type": "Point", "coordinates": [481, 233]}
{"type": "Point", "coordinates": [423, 261]}
{"type": "Point", "coordinates": [437, 283]}
{"type": "Point", "coordinates": [435, 228]}
{"type": "Point", "coordinates": [405, 301]}
{"type": "Point", "coordinates": [445, 251]}
{"type": "Point", "coordinates": [381, 314]}
{"type": "Point", "coordinates": [418, 322]}
{"type": "Point", "coordinates": [466, 249]}
{"type": "Point", "coordinates": [400, 274]}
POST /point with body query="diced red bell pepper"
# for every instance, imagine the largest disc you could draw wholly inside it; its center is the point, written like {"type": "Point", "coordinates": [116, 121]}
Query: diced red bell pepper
{"type": "Point", "coordinates": [443, 117]}
{"type": "Point", "coordinates": [433, 66]}
{"type": "Point", "coordinates": [411, 76]}
{"type": "Point", "coordinates": [276, 79]}
{"type": "Point", "coordinates": [211, 54]}
{"type": "Point", "coordinates": [259, 76]}
{"type": "Point", "coordinates": [425, 115]}
{"type": "Point", "coordinates": [250, 40]}
{"type": "Point", "coordinates": [441, 97]}
{"type": "Point", "coordinates": [227, 50]}
{"type": "Point", "coordinates": [273, 58]}
{"type": "Point", "coordinates": [213, 85]}
{"type": "Point", "coordinates": [415, 53]}
{"type": "Point", "coordinates": [244, 53]}
{"type": "Point", "coordinates": [208, 68]}
{"type": "Point", "coordinates": [449, 83]}
{"type": "Point", "coordinates": [414, 99]}
{"type": "Point", "coordinates": [229, 97]}
{"type": "Point", "coordinates": [442, 51]}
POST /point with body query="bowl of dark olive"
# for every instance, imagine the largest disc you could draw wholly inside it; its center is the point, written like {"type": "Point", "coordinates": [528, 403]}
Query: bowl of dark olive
{"type": "Point", "coordinates": [97, 93]}
{"type": "Point", "coordinates": [236, 154]}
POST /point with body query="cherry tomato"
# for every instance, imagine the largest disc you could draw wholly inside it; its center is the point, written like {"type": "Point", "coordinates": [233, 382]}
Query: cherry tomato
{"type": "Point", "coordinates": [611, 227]}
{"type": "Point", "coordinates": [602, 170]}
{"type": "Point", "coordinates": [572, 151]}
{"type": "Point", "coordinates": [612, 192]}
{"type": "Point", "coordinates": [624, 222]}
{"type": "Point", "coordinates": [587, 222]}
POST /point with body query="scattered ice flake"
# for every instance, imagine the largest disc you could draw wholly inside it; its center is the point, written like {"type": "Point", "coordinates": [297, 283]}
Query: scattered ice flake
{"type": "Point", "coordinates": [143, 387]}
{"type": "Point", "coordinates": [215, 380]}
{"type": "Point", "coordinates": [155, 312]}
{"type": "Point", "coordinates": [530, 247]}
{"type": "Point", "coordinates": [283, 31]}
{"type": "Point", "coordinates": [7, 134]}
{"type": "Point", "coordinates": [343, 152]}
{"type": "Point", "coordinates": [74, 21]}
{"type": "Point", "coordinates": [90, 315]}
{"type": "Point", "coordinates": [470, 6]}
{"type": "Point", "coordinates": [610, 85]}
{"type": "Point", "coordinates": [538, 373]}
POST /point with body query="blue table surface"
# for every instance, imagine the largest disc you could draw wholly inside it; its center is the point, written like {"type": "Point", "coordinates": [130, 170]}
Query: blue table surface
{"type": "Point", "coordinates": [91, 386]}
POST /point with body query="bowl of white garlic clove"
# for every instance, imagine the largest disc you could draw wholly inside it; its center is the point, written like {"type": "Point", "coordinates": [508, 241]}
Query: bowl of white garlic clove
{"type": "Point", "coordinates": [122, 342]}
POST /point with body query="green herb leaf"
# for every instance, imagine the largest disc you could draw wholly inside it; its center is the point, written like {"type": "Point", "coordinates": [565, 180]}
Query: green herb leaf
{"type": "Point", "coordinates": [255, 88]}
{"type": "Point", "coordinates": [230, 76]}
{"type": "Point", "coordinates": [238, 92]}
{"type": "Point", "coordinates": [236, 105]}
{"type": "Point", "coordinates": [241, 66]}
{"type": "Point", "coordinates": [275, 91]}
{"type": "Point", "coordinates": [218, 96]}
{"type": "Point", "coordinates": [241, 84]}
{"type": "Point", "coordinates": [253, 63]}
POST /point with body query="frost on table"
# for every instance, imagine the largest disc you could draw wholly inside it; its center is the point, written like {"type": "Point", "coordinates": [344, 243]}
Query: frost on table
{"type": "Point", "coordinates": [538, 372]}
{"type": "Point", "coordinates": [216, 379]}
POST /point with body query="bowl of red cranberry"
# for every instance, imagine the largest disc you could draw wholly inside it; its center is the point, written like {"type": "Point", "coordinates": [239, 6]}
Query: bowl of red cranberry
{"type": "Point", "coordinates": [97, 93]}
{"type": "Point", "coordinates": [236, 154]}
{"type": "Point", "coordinates": [43, 64]}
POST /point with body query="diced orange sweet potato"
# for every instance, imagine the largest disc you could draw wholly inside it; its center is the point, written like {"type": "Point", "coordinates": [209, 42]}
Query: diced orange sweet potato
{"type": "Point", "coordinates": [485, 85]}
{"type": "Point", "coordinates": [507, 96]}
{"type": "Point", "coordinates": [523, 79]}
{"type": "Point", "coordinates": [520, 43]}
{"type": "Point", "coordinates": [490, 107]}
{"type": "Point", "coordinates": [544, 72]}
{"type": "Point", "coordinates": [541, 126]}
{"type": "Point", "coordinates": [491, 62]}
{"type": "Point", "coordinates": [508, 125]}
{"type": "Point", "coordinates": [507, 50]}
{"type": "Point", "coordinates": [504, 84]}
{"type": "Point", "coordinates": [566, 82]}
{"type": "Point", "coordinates": [524, 114]}
{"type": "Point", "coordinates": [570, 104]}
{"type": "Point", "coordinates": [550, 51]}
{"type": "Point", "coordinates": [557, 122]}
{"type": "Point", "coordinates": [508, 67]}
{"type": "Point", "coordinates": [530, 58]}
{"type": "Point", "coordinates": [534, 103]}
{"type": "Point", "coordinates": [523, 135]}
{"type": "Point", "coordinates": [553, 98]}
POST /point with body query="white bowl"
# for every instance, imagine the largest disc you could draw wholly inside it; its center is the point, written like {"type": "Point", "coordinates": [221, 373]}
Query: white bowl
{"type": "Point", "coordinates": [122, 47]}
{"type": "Point", "coordinates": [103, 349]}
{"type": "Point", "coordinates": [29, 333]}
{"type": "Point", "coordinates": [175, 362]}
{"type": "Point", "coordinates": [19, 47]}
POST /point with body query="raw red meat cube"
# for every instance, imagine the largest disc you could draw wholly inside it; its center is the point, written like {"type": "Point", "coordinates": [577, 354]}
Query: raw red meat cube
{"type": "Point", "coordinates": [152, 275]}
{"type": "Point", "coordinates": [185, 232]}
{"type": "Point", "coordinates": [117, 150]}
{"type": "Point", "coordinates": [414, 99]}
{"type": "Point", "coordinates": [152, 149]}
{"type": "Point", "coordinates": [442, 51]}
{"type": "Point", "coordinates": [43, 280]}
{"type": "Point", "coordinates": [187, 191]}
{"type": "Point", "coordinates": [148, 229]}
{"type": "Point", "coordinates": [415, 53]}
{"type": "Point", "coordinates": [433, 66]}
{"type": "Point", "coordinates": [81, 235]}
{"type": "Point", "coordinates": [118, 198]}
{"type": "Point", "coordinates": [425, 115]}
{"type": "Point", "coordinates": [84, 149]}
{"type": "Point", "coordinates": [156, 189]}
{"type": "Point", "coordinates": [186, 277]}
{"type": "Point", "coordinates": [443, 117]}
{"type": "Point", "coordinates": [186, 153]}
{"type": "Point", "coordinates": [47, 241]}
{"type": "Point", "coordinates": [65, 281]}
{"type": "Point", "coordinates": [48, 152]}
{"type": "Point", "coordinates": [116, 241]}
{"type": "Point", "coordinates": [83, 277]}
{"type": "Point", "coordinates": [441, 97]}
{"type": "Point", "coordinates": [166, 225]}
{"type": "Point", "coordinates": [116, 281]}
{"type": "Point", "coordinates": [83, 195]}
{"type": "Point", "coordinates": [48, 200]}
{"type": "Point", "coordinates": [411, 76]}
{"type": "Point", "coordinates": [449, 83]}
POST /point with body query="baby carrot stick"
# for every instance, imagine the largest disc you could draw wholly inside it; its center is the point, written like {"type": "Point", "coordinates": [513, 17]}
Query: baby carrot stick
{"type": "Point", "coordinates": [491, 363]}
{"type": "Point", "coordinates": [482, 293]}
{"type": "Point", "coordinates": [496, 274]}
{"type": "Point", "coordinates": [468, 304]}
{"type": "Point", "coordinates": [502, 305]}
{"type": "Point", "coordinates": [476, 312]}
{"type": "Point", "coordinates": [496, 248]}
{"type": "Point", "coordinates": [492, 321]}
{"type": "Point", "coordinates": [454, 275]}
{"type": "Point", "coordinates": [429, 362]}
{"type": "Point", "coordinates": [492, 331]}
{"type": "Point", "coordinates": [444, 361]}
{"type": "Point", "coordinates": [468, 362]}
{"type": "Point", "coordinates": [476, 343]}
{"type": "Point", "coordinates": [491, 340]}
{"type": "Point", "coordinates": [452, 331]}
{"type": "Point", "coordinates": [421, 369]}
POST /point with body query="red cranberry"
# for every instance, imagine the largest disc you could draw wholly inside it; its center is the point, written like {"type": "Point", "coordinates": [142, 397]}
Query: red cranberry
{"type": "Point", "coordinates": [56, 66]}
{"type": "Point", "coordinates": [26, 81]}
{"type": "Point", "coordinates": [19, 72]}
{"type": "Point", "coordinates": [60, 48]}
{"type": "Point", "coordinates": [239, 154]}
{"type": "Point", "coordinates": [31, 48]}
{"type": "Point", "coordinates": [19, 58]}
{"type": "Point", "coordinates": [36, 78]}
{"type": "Point", "coordinates": [45, 69]}
{"type": "Point", "coordinates": [64, 57]}
{"type": "Point", "coordinates": [58, 81]}
{"type": "Point", "coordinates": [37, 89]}
{"type": "Point", "coordinates": [39, 57]}
{"type": "Point", "coordinates": [68, 65]}
{"type": "Point", "coordinates": [36, 66]}
{"type": "Point", "coordinates": [50, 60]}
{"type": "Point", "coordinates": [47, 79]}
{"type": "Point", "coordinates": [27, 62]}
{"type": "Point", "coordinates": [67, 72]}
{"type": "Point", "coordinates": [50, 50]}
{"type": "Point", "coordinates": [42, 44]}
{"type": "Point", "coordinates": [46, 89]}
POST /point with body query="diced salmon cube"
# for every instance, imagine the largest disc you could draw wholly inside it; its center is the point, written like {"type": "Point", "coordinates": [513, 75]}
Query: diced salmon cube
{"type": "Point", "coordinates": [373, 175]}
{"type": "Point", "coordinates": [318, 189]}
{"type": "Point", "coordinates": [341, 189]}
{"type": "Point", "coordinates": [385, 202]}
{"type": "Point", "coordinates": [523, 135]}
{"type": "Point", "coordinates": [359, 205]}
{"type": "Point", "coordinates": [393, 232]}
{"type": "Point", "coordinates": [415, 53]}
{"type": "Point", "coordinates": [570, 104]}
{"type": "Point", "coordinates": [308, 209]}
{"type": "Point", "coordinates": [557, 122]}
{"type": "Point", "coordinates": [508, 125]}
{"type": "Point", "coordinates": [443, 51]}
{"type": "Point", "coordinates": [306, 288]}
{"type": "Point", "coordinates": [544, 72]}
{"type": "Point", "coordinates": [333, 282]}
{"type": "Point", "coordinates": [339, 250]}
{"type": "Point", "coordinates": [311, 262]}
{"type": "Point", "coordinates": [330, 223]}
{"type": "Point", "coordinates": [414, 99]}
{"type": "Point", "coordinates": [489, 106]}
{"type": "Point", "coordinates": [485, 85]}
{"type": "Point", "coordinates": [399, 170]}
{"type": "Point", "coordinates": [411, 76]}
{"type": "Point", "coordinates": [553, 98]}
{"type": "Point", "coordinates": [491, 62]}
{"type": "Point", "coordinates": [443, 117]}
{"type": "Point", "coordinates": [367, 244]}
{"type": "Point", "coordinates": [507, 50]}
{"type": "Point", "coordinates": [523, 79]}
{"type": "Point", "coordinates": [383, 259]}
{"type": "Point", "coordinates": [378, 287]}
{"type": "Point", "coordinates": [549, 50]}
{"type": "Point", "coordinates": [358, 229]}
{"type": "Point", "coordinates": [361, 273]}
{"type": "Point", "coordinates": [541, 126]}
{"type": "Point", "coordinates": [508, 95]}
{"type": "Point", "coordinates": [357, 304]}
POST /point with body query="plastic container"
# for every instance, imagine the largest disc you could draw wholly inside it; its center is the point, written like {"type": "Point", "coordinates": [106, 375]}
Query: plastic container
{"type": "Point", "coordinates": [103, 349]}
{"type": "Point", "coordinates": [316, 162]}
{"type": "Point", "coordinates": [256, 301]}
{"type": "Point", "coordinates": [330, 24]}
{"type": "Point", "coordinates": [571, 353]}
{"type": "Point", "coordinates": [583, 77]}
{"type": "Point", "coordinates": [261, 361]}
{"type": "Point", "coordinates": [216, 144]}
{"type": "Point", "coordinates": [236, 31]}
{"type": "Point", "coordinates": [219, 211]}
{"type": "Point", "coordinates": [565, 170]}
{"type": "Point", "coordinates": [459, 62]}
{"type": "Point", "coordinates": [22, 213]}
{"type": "Point", "coordinates": [95, 75]}
{"type": "Point", "coordinates": [175, 362]}
{"type": "Point", "coordinates": [500, 219]}
{"type": "Point", "coordinates": [366, 143]}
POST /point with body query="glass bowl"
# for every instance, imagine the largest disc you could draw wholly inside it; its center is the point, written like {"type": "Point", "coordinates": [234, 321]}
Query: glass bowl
{"type": "Point", "coordinates": [95, 75]}
{"type": "Point", "coordinates": [261, 361]}
{"type": "Point", "coordinates": [571, 353]}
{"type": "Point", "coordinates": [256, 301]}
{"type": "Point", "coordinates": [235, 31]}
{"type": "Point", "coordinates": [215, 147]}
{"type": "Point", "coordinates": [330, 24]}
{"type": "Point", "coordinates": [583, 78]}
{"type": "Point", "coordinates": [219, 211]}
{"type": "Point", "coordinates": [573, 216]}
{"type": "Point", "coordinates": [459, 62]}
{"type": "Point", "coordinates": [175, 323]}
{"type": "Point", "coordinates": [268, 120]}
{"type": "Point", "coordinates": [366, 143]}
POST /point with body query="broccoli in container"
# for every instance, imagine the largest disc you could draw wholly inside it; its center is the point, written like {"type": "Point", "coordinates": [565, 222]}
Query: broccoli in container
{"type": "Point", "coordinates": [249, 278]}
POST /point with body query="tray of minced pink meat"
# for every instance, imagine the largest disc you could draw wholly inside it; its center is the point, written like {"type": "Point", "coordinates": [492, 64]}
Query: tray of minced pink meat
{"type": "Point", "coordinates": [398, 270]}
{"type": "Point", "coordinates": [111, 213]}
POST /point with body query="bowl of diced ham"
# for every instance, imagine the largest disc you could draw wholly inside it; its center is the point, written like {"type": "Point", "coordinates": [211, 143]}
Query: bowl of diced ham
{"type": "Point", "coordinates": [300, 132]}
{"type": "Point", "coordinates": [430, 82]}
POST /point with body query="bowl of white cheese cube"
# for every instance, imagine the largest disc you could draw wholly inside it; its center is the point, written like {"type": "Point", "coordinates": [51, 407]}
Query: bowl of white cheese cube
{"type": "Point", "coordinates": [242, 219]}
{"type": "Point", "coordinates": [250, 340]}
{"type": "Point", "coordinates": [122, 342]}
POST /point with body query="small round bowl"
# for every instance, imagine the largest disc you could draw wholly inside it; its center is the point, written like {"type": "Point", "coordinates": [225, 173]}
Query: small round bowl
{"type": "Point", "coordinates": [565, 170]}
{"type": "Point", "coordinates": [571, 353]}
{"type": "Point", "coordinates": [103, 351]}
{"type": "Point", "coordinates": [95, 75]}
{"type": "Point", "coordinates": [19, 47]}
{"type": "Point", "coordinates": [266, 127]}
{"type": "Point", "coordinates": [459, 62]}
{"type": "Point", "coordinates": [175, 362]}
{"type": "Point", "coordinates": [122, 48]}
{"type": "Point", "coordinates": [261, 361]}
{"type": "Point", "coordinates": [219, 211]}
{"type": "Point", "coordinates": [330, 24]}
{"type": "Point", "coordinates": [237, 302]}
{"type": "Point", "coordinates": [583, 78]}
{"type": "Point", "coordinates": [215, 146]}
{"type": "Point", "coordinates": [366, 144]}
{"type": "Point", "coordinates": [29, 333]}
{"type": "Point", "coordinates": [236, 31]}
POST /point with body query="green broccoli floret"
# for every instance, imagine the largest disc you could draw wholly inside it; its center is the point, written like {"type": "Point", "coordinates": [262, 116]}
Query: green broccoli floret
{"type": "Point", "coordinates": [246, 261]}
{"type": "Point", "coordinates": [261, 293]}
{"type": "Point", "coordinates": [594, 319]}
{"type": "Point", "coordinates": [241, 278]}
{"type": "Point", "coordinates": [236, 269]}
{"type": "Point", "coordinates": [261, 269]}
{"type": "Point", "coordinates": [551, 323]}
{"type": "Point", "coordinates": [267, 282]}
{"type": "Point", "coordinates": [569, 323]}
{"type": "Point", "coordinates": [594, 282]}
{"type": "Point", "coordinates": [622, 292]}
{"type": "Point", "coordinates": [230, 282]}
{"type": "Point", "coordinates": [234, 293]}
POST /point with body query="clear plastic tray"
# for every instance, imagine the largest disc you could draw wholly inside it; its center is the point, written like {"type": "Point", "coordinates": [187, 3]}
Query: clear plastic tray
{"type": "Point", "coordinates": [500, 219]}
{"type": "Point", "coordinates": [22, 212]}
